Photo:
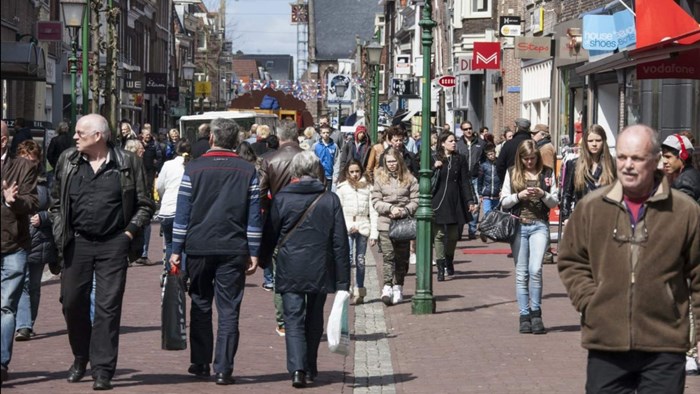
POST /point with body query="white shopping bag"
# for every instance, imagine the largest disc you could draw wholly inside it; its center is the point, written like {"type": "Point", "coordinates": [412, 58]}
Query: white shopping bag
{"type": "Point", "coordinates": [338, 331]}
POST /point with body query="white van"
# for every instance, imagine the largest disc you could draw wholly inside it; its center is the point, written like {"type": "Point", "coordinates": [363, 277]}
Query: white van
{"type": "Point", "coordinates": [190, 123]}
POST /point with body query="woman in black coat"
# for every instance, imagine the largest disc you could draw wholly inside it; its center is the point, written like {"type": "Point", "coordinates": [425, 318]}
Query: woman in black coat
{"type": "Point", "coordinates": [452, 202]}
{"type": "Point", "coordinates": [313, 259]}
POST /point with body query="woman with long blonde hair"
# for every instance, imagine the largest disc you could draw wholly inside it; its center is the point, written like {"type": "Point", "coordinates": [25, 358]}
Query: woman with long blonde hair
{"type": "Point", "coordinates": [395, 196]}
{"type": "Point", "coordinates": [595, 167]}
{"type": "Point", "coordinates": [529, 189]}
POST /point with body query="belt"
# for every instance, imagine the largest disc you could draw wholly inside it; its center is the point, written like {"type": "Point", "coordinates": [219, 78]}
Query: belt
{"type": "Point", "coordinates": [93, 238]}
{"type": "Point", "coordinates": [531, 221]}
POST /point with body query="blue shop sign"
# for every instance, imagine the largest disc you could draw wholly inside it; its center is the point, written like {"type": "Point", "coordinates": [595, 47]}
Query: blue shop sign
{"type": "Point", "coordinates": [599, 33]}
{"type": "Point", "coordinates": [625, 31]}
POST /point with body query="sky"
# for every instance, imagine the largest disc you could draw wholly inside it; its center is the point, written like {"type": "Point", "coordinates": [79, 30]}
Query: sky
{"type": "Point", "coordinates": [259, 26]}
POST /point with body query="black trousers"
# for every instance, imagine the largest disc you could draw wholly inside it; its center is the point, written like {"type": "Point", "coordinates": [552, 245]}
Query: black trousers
{"type": "Point", "coordinates": [635, 372]}
{"type": "Point", "coordinates": [223, 277]}
{"type": "Point", "coordinates": [97, 342]}
{"type": "Point", "coordinates": [303, 323]}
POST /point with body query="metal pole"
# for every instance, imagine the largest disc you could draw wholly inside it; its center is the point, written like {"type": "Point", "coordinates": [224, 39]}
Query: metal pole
{"type": "Point", "coordinates": [73, 71]}
{"type": "Point", "coordinates": [423, 302]}
{"type": "Point", "coordinates": [375, 105]}
{"type": "Point", "coordinates": [85, 77]}
{"type": "Point", "coordinates": [339, 110]}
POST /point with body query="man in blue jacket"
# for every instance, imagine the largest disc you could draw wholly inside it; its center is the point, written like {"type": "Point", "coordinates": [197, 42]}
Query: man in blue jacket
{"type": "Point", "coordinates": [218, 225]}
{"type": "Point", "coordinates": [326, 151]}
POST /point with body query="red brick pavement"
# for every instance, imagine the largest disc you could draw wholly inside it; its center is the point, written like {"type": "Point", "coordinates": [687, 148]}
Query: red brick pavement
{"type": "Point", "coordinates": [40, 365]}
{"type": "Point", "coordinates": [471, 345]}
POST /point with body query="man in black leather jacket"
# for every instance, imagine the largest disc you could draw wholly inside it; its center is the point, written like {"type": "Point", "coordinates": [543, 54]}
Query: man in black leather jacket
{"type": "Point", "coordinates": [99, 205]}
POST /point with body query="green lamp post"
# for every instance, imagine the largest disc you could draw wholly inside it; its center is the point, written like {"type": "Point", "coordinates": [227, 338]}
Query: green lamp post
{"type": "Point", "coordinates": [73, 11]}
{"type": "Point", "coordinates": [423, 302]}
{"type": "Point", "coordinates": [374, 56]}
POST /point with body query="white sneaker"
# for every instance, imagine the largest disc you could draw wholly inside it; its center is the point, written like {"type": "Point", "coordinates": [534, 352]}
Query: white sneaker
{"type": "Point", "coordinates": [386, 295]}
{"type": "Point", "coordinates": [398, 294]}
{"type": "Point", "coordinates": [691, 366]}
{"type": "Point", "coordinates": [412, 259]}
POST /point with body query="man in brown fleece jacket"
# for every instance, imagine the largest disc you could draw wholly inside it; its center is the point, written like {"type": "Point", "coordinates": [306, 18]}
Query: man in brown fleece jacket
{"type": "Point", "coordinates": [630, 261]}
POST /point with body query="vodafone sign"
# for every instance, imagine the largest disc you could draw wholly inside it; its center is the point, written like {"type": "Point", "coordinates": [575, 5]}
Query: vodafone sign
{"type": "Point", "coordinates": [447, 81]}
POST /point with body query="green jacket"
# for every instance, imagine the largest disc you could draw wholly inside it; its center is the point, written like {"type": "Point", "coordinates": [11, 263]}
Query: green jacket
{"type": "Point", "coordinates": [633, 295]}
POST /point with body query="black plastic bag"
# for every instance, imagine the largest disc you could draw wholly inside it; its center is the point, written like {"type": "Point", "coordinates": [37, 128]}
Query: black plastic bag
{"type": "Point", "coordinates": [173, 314]}
{"type": "Point", "coordinates": [498, 225]}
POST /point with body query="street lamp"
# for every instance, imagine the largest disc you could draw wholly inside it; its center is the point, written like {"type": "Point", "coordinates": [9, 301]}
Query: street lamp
{"type": "Point", "coordinates": [188, 75]}
{"type": "Point", "coordinates": [73, 11]}
{"type": "Point", "coordinates": [374, 57]}
{"type": "Point", "coordinates": [340, 88]}
{"type": "Point", "coordinates": [423, 301]}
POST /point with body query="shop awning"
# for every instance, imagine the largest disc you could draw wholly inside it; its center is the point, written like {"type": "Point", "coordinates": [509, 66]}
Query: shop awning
{"type": "Point", "coordinates": [23, 61]}
{"type": "Point", "coordinates": [668, 44]}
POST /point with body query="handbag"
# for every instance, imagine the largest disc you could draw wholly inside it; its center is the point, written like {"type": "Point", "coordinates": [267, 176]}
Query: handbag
{"type": "Point", "coordinates": [498, 225]}
{"type": "Point", "coordinates": [173, 312]}
{"type": "Point", "coordinates": [338, 330]}
{"type": "Point", "coordinates": [403, 229]}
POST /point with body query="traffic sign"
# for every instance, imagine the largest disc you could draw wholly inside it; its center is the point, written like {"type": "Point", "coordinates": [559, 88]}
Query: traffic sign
{"type": "Point", "coordinates": [447, 81]}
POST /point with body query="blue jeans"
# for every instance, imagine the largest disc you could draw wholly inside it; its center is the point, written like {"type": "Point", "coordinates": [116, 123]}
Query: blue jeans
{"type": "Point", "coordinates": [146, 240]}
{"type": "Point", "coordinates": [166, 227]}
{"type": "Point", "coordinates": [31, 294]}
{"type": "Point", "coordinates": [528, 250]}
{"type": "Point", "coordinates": [489, 204]}
{"type": "Point", "coordinates": [358, 248]}
{"type": "Point", "coordinates": [14, 265]}
{"type": "Point", "coordinates": [475, 216]}
{"type": "Point", "coordinates": [268, 276]}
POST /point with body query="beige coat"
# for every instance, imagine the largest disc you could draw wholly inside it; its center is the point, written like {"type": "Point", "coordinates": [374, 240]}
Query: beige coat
{"type": "Point", "coordinates": [387, 195]}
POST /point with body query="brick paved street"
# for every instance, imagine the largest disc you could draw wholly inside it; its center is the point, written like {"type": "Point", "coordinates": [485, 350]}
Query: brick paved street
{"type": "Point", "coordinates": [470, 345]}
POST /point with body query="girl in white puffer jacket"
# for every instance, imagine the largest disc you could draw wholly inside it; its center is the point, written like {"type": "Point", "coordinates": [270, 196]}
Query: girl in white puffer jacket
{"type": "Point", "coordinates": [360, 218]}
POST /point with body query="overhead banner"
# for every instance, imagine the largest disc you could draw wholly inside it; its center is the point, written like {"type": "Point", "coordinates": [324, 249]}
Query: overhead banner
{"type": "Point", "coordinates": [487, 56]}
{"type": "Point", "coordinates": [533, 47]}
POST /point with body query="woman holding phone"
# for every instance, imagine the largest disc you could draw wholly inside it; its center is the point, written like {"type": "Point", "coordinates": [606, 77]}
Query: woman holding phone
{"type": "Point", "coordinates": [529, 190]}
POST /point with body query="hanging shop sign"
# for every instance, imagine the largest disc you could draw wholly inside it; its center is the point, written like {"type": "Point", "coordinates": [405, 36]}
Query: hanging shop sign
{"type": "Point", "coordinates": [487, 56]}
{"type": "Point", "coordinates": [509, 26]}
{"type": "Point", "coordinates": [156, 83]}
{"type": "Point", "coordinates": [533, 47]}
{"type": "Point", "coordinates": [464, 65]}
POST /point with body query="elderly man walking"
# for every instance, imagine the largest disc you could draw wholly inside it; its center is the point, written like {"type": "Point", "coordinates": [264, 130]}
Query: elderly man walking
{"type": "Point", "coordinates": [100, 203]}
{"type": "Point", "coordinates": [218, 225]}
{"type": "Point", "coordinates": [19, 200]}
{"type": "Point", "coordinates": [630, 261]}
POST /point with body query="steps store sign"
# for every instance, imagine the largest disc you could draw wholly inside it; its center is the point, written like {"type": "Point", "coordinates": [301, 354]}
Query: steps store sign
{"type": "Point", "coordinates": [609, 32]}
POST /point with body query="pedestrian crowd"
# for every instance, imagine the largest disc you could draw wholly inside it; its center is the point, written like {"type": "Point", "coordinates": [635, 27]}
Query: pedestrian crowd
{"type": "Point", "coordinates": [237, 200]}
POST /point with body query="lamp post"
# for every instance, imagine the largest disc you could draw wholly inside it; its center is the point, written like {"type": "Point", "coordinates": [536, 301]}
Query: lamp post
{"type": "Point", "coordinates": [423, 302]}
{"type": "Point", "coordinates": [188, 75]}
{"type": "Point", "coordinates": [340, 88]}
{"type": "Point", "coordinates": [374, 56]}
{"type": "Point", "coordinates": [73, 11]}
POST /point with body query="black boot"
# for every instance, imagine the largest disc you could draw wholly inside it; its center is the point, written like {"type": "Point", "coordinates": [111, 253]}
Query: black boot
{"type": "Point", "coordinates": [537, 323]}
{"type": "Point", "coordinates": [449, 265]}
{"type": "Point", "coordinates": [525, 324]}
{"type": "Point", "coordinates": [440, 270]}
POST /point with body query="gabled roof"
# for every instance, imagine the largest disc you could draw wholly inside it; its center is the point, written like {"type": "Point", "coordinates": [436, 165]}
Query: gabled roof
{"type": "Point", "coordinates": [338, 22]}
{"type": "Point", "coordinates": [280, 67]}
{"type": "Point", "coordinates": [245, 68]}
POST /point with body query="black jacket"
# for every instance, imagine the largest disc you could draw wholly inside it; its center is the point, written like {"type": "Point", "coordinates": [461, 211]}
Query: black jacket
{"type": "Point", "coordinates": [138, 207]}
{"type": "Point", "coordinates": [315, 257]}
{"type": "Point", "coordinates": [43, 247]}
{"type": "Point", "coordinates": [506, 158]}
{"type": "Point", "coordinates": [475, 154]}
{"type": "Point", "coordinates": [58, 144]}
{"type": "Point", "coordinates": [688, 182]}
{"type": "Point", "coordinates": [200, 147]}
{"type": "Point", "coordinates": [454, 194]}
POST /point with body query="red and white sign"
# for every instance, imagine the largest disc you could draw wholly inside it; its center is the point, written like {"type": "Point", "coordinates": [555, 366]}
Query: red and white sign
{"type": "Point", "coordinates": [447, 81]}
{"type": "Point", "coordinates": [487, 56]}
{"type": "Point", "coordinates": [49, 31]}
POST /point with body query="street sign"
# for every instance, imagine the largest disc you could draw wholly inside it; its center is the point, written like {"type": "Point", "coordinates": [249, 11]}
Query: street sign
{"type": "Point", "coordinates": [447, 81]}
{"type": "Point", "coordinates": [509, 26]}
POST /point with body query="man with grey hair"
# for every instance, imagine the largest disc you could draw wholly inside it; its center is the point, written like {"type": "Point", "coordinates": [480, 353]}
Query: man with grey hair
{"type": "Point", "coordinates": [19, 200]}
{"type": "Point", "coordinates": [630, 261]}
{"type": "Point", "coordinates": [100, 204]}
{"type": "Point", "coordinates": [219, 226]}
